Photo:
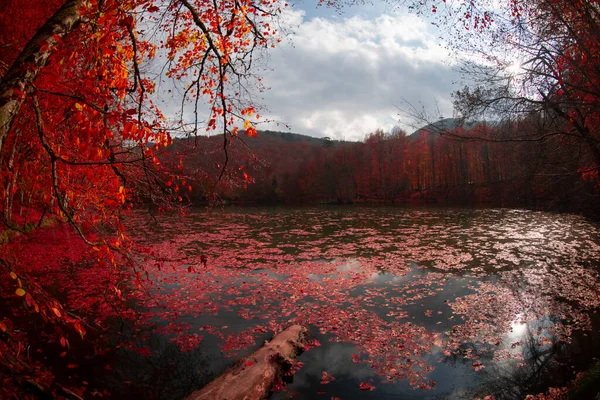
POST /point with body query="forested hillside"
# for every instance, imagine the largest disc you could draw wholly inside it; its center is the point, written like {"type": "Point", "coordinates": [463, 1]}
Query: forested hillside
{"type": "Point", "coordinates": [483, 164]}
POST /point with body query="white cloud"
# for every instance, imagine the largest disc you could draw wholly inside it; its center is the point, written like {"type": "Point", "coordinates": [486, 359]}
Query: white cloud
{"type": "Point", "coordinates": [341, 77]}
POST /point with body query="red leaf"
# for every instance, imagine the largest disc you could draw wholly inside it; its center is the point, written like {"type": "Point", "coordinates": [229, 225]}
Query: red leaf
{"type": "Point", "coordinates": [326, 378]}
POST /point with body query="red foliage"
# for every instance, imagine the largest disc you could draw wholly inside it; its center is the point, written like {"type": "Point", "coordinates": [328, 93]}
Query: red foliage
{"type": "Point", "coordinates": [82, 138]}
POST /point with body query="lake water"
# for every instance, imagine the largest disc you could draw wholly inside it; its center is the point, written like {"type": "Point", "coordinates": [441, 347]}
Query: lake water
{"type": "Point", "coordinates": [416, 303]}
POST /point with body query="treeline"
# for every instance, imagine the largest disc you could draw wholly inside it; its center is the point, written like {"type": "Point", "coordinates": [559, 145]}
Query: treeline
{"type": "Point", "coordinates": [484, 164]}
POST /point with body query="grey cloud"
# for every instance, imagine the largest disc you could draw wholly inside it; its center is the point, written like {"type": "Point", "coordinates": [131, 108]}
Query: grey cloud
{"type": "Point", "coordinates": [340, 81]}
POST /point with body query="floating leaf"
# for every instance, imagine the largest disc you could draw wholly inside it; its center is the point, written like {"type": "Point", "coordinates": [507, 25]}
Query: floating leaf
{"type": "Point", "coordinates": [366, 386]}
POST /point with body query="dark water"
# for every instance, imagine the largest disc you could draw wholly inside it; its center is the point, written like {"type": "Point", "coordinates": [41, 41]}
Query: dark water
{"type": "Point", "coordinates": [418, 303]}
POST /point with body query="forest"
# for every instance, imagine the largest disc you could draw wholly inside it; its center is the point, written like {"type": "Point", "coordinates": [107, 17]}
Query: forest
{"type": "Point", "coordinates": [127, 128]}
{"type": "Point", "coordinates": [479, 165]}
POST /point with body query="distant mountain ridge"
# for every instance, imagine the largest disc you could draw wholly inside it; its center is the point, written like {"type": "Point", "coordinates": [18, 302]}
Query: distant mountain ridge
{"type": "Point", "coordinates": [443, 125]}
{"type": "Point", "coordinates": [295, 137]}
{"type": "Point", "coordinates": [448, 124]}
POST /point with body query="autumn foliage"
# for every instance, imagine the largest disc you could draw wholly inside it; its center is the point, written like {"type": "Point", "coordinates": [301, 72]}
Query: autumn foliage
{"type": "Point", "coordinates": [85, 136]}
{"type": "Point", "coordinates": [475, 165]}
{"type": "Point", "coordinates": [81, 138]}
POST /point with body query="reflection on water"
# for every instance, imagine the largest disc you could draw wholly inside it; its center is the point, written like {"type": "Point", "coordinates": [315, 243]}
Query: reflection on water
{"type": "Point", "coordinates": [416, 303]}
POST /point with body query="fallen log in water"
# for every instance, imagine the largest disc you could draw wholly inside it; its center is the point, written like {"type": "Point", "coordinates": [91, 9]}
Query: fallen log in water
{"type": "Point", "coordinates": [253, 377]}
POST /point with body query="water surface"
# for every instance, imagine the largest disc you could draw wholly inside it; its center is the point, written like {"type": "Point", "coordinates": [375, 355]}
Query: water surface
{"type": "Point", "coordinates": [415, 303]}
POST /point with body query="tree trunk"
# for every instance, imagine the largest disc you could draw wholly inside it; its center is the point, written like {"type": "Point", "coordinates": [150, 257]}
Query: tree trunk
{"type": "Point", "coordinates": [33, 57]}
{"type": "Point", "coordinates": [11, 181]}
{"type": "Point", "coordinates": [253, 377]}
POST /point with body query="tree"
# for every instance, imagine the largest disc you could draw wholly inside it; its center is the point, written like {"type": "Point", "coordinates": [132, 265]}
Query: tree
{"type": "Point", "coordinates": [543, 66]}
{"type": "Point", "coordinates": [82, 135]}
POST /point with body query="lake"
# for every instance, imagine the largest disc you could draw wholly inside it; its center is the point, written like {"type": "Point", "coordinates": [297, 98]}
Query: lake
{"type": "Point", "coordinates": [399, 303]}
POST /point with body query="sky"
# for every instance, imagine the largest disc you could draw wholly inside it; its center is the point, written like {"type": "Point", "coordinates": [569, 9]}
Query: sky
{"type": "Point", "coordinates": [346, 75]}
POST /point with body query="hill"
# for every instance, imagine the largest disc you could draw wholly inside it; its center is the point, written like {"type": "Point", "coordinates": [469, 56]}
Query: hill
{"type": "Point", "coordinates": [449, 124]}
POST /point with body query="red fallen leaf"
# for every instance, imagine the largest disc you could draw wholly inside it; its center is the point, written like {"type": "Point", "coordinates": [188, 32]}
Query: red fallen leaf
{"type": "Point", "coordinates": [478, 365]}
{"type": "Point", "coordinates": [64, 353]}
{"type": "Point", "coordinates": [321, 391]}
{"type": "Point", "coordinates": [326, 378]}
{"type": "Point", "coordinates": [107, 367]}
{"type": "Point", "coordinates": [72, 366]}
{"type": "Point", "coordinates": [310, 343]}
{"type": "Point", "coordinates": [366, 386]}
{"type": "Point", "coordinates": [249, 363]}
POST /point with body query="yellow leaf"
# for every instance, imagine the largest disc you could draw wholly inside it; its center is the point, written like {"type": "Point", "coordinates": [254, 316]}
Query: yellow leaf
{"type": "Point", "coordinates": [13, 275]}
{"type": "Point", "coordinates": [3, 327]}
{"type": "Point", "coordinates": [80, 330]}
{"type": "Point", "coordinates": [56, 311]}
{"type": "Point", "coordinates": [20, 292]}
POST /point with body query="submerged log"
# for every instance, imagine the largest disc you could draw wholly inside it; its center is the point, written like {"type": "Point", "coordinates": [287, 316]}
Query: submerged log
{"type": "Point", "coordinates": [253, 377]}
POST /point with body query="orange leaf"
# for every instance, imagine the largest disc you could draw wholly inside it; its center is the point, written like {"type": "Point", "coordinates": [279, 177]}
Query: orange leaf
{"type": "Point", "coordinates": [20, 292]}
{"type": "Point", "coordinates": [29, 300]}
{"type": "Point", "coordinates": [80, 330]}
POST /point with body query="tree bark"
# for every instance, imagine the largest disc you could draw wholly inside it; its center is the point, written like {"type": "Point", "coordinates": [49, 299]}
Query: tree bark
{"type": "Point", "coordinates": [253, 377]}
{"type": "Point", "coordinates": [31, 60]}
